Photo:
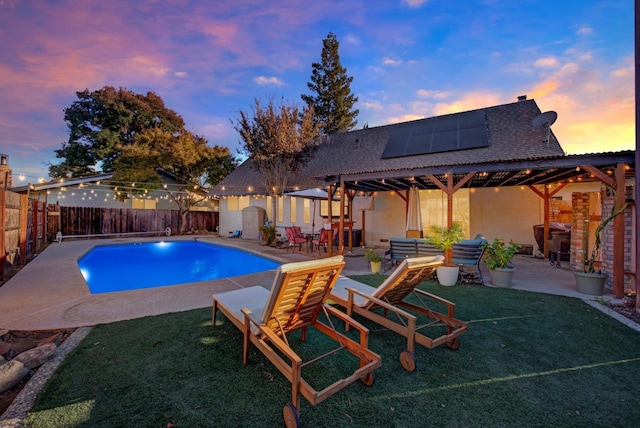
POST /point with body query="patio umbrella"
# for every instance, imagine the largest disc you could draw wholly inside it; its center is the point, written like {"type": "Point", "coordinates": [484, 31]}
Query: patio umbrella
{"type": "Point", "coordinates": [314, 194]}
{"type": "Point", "coordinates": [414, 217]}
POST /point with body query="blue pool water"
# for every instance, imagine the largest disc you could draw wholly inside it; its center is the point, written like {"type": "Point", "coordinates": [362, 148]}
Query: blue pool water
{"type": "Point", "coordinates": [122, 267]}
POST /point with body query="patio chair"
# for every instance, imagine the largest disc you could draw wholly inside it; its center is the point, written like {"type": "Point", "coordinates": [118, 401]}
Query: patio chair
{"type": "Point", "coordinates": [323, 239]}
{"type": "Point", "coordinates": [296, 300]}
{"type": "Point", "coordinates": [295, 239]}
{"type": "Point", "coordinates": [236, 234]}
{"type": "Point", "coordinates": [377, 304]}
{"type": "Point", "coordinates": [467, 255]}
{"type": "Point", "coordinates": [399, 249]}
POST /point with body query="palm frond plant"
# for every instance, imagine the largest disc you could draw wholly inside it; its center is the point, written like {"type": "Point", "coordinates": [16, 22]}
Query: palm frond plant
{"type": "Point", "coordinates": [590, 262]}
{"type": "Point", "coordinates": [444, 238]}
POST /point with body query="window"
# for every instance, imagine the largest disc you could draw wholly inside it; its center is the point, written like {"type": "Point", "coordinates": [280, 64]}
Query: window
{"type": "Point", "coordinates": [143, 204]}
{"type": "Point", "coordinates": [268, 208]}
{"type": "Point", "coordinates": [433, 205]}
{"type": "Point", "coordinates": [335, 209]}
{"type": "Point", "coordinates": [237, 203]}
{"type": "Point", "coordinates": [281, 209]}
{"type": "Point", "coordinates": [293, 208]}
{"type": "Point", "coordinates": [307, 210]}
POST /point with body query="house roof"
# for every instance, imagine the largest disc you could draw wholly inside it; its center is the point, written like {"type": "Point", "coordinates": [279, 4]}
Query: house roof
{"type": "Point", "coordinates": [96, 178]}
{"type": "Point", "coordinates": [516, 154]}
{"type": "Point", "coordinates": [56, 184]}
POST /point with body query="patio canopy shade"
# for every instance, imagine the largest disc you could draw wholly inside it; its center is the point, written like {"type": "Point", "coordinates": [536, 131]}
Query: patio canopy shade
{"type": "Point", "coordinates": [414, 215]}
{"type": "Point", "coordinates": [313, 193]}
{"type": "Point", "coordinates": [573, 168]}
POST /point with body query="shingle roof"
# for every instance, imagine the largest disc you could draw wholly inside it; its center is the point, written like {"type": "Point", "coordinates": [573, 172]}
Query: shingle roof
{"type": "Point", "coordinates": [511, 137]}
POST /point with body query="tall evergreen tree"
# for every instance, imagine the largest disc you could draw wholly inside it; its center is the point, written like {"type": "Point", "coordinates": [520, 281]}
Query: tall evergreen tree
{"type": "Point", "coordinates": [332, 99]}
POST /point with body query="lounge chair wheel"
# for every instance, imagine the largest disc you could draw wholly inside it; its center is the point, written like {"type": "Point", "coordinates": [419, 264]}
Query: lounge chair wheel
{"type": "Point", "coordinates": [291, 417]}
{"type": "Point", "coordinates": [408, 361]}
{"type": "Point", "coordinates": [454, 343]}
{"type": "Point", "coordinates": [369, 379]}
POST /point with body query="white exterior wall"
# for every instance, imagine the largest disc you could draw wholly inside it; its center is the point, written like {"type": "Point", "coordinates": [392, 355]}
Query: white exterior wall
{"type": "Point", "coordinates": [231, 221]}
{"type": "Point", "coordinates": [511, 212]}
{"type": "Point", "coordinates": [508, 212]}
{"type": "Point", "coordinates": [387, 220]}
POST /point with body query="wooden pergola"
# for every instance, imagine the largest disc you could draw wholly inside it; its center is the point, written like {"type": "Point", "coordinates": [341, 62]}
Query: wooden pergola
{"type": "Point", "coordinates": [613, 169]}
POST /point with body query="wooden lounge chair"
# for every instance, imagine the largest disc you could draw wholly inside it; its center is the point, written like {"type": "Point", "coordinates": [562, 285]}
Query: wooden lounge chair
{"type": "Point", "coordinates": [377, 304]}
{"type": "Point", "coordinates": [295, 302]}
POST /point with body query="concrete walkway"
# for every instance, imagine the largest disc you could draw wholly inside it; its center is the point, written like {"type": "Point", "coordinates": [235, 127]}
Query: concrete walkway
{"type": "Point", "coordinates": [51, 293]}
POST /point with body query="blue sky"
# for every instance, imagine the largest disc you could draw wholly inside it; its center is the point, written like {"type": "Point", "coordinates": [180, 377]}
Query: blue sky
{"type": "Point", "coordinates": [409, 59]}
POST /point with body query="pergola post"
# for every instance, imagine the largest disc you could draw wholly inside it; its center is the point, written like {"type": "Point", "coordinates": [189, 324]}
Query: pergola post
{"type": "Point", "coordinates": [546, 197]}
{"type": "Point", "coordinates": [637, 154]}
{"type": "Point", "coordinates": [341, 219]}
{"type": "Point", "coordinates": [330, 215]}
{"type": "Point", "coordinates": [618, 234]}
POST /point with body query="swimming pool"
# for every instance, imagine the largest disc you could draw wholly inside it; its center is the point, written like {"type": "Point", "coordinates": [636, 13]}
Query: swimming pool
{"type": "Point", "coordinates": [108, 268]}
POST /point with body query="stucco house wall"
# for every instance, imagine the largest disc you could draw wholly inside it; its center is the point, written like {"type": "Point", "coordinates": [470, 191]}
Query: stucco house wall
{"type": "Point", "coordinates": [506, 212]}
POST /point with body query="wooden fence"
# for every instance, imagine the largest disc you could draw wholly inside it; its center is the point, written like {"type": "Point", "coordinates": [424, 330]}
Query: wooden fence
{"type": "Point", "coordinates": [23, 225]}
{"type": "Point", "coordinates": [27, 226]}
{"type": "Point", "coordinates": [72, 221]}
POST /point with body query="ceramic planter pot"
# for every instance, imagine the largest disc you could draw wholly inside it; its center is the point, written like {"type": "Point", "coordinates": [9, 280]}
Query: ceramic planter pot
{"type": "Point", "coordinates": [447, 275]}
{"type": "Point", "coordinates": [501, 277]}
{"type": "Point", "coordinates": [375, 267]}
{"type": "Point", "coordinates": [590, 283]}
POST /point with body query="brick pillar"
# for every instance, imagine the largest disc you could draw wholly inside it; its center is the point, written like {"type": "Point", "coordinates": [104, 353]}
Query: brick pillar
{"type": "Point", "coordinates": [579, 228]}
{"type": "Point", "coordinates": [606, 250]}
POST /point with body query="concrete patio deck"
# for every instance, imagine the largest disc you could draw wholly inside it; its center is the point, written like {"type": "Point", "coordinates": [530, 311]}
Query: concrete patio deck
{"type": "Point", "coordinates": [50, 292]}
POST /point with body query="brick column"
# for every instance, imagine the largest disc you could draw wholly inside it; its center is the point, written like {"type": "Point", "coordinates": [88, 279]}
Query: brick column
{"type": "Point", "coordinates": [606, 250]}
{"type": "Point", "coordinates": [579, 228]}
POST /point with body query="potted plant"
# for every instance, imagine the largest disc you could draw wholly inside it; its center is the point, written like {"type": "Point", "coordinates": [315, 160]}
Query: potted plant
{"type": "Point", "coordinates": [268, 233]}
{"type": "Point", "coordinates": [375, 260]}
{"type": "Point", "coordinates": [444, 238]}
{"type": "Point", "coordinates": [498, 256]}
{"type": "Point", "coordinates": [591, 280]}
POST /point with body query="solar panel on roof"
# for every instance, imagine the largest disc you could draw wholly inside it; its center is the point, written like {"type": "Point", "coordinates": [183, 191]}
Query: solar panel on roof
{"type": "Point", "coordinates": [452, 132]}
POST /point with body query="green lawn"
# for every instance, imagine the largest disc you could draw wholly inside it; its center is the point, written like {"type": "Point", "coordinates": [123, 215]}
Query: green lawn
{"type": "Point", "coordinates": [528, 359]}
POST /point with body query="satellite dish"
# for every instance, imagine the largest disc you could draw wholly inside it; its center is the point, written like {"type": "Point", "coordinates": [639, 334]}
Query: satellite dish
{"type": "Point", "coordinates": [544, 121]}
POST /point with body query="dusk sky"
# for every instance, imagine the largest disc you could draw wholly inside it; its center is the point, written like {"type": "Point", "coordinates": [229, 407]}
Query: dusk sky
{"type": "Point", "coordinates": [409, 59]}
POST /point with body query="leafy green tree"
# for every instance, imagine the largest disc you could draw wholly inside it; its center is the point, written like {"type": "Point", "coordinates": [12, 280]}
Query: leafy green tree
{"type": "Point", "coordinates": [137, 138]}
{"type": "Point", "coordinates": [185, 157]}
{"type": "Point", "coordinates": [102, 122]}
{"type": "Point", "coordinates": [331, 95]}
{"type": "Point", "coordinates": [278, 140]}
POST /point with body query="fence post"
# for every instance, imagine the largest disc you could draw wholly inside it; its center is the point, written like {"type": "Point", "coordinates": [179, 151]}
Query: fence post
{"type": "Point", "coordinates": [44, 229]}
{"type": "Point", "coordinates": [3, 252]}
{"type": "Point", "coordinates": [24, 210]}
{"type": "Point", "coordinates": [34, 226]}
